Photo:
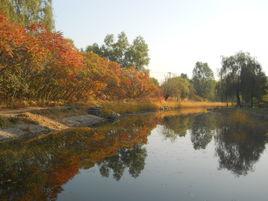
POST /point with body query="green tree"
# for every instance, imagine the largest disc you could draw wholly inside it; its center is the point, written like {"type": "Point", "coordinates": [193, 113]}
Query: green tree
{"type": "Point", "coordinates": [184, 75]}
{"type": "Point", "coordinates": [137, 54]}
{"type": "Point", "coordinates": [203, 80]}
{"type": "Point", "coordinates": [242, 78]}
{"type": "Point", "coordinates": [28, 12]}
{"type": "Point", "coordinates": [121, 51]}
{"type": "Point", "coordinates": [176, 87]}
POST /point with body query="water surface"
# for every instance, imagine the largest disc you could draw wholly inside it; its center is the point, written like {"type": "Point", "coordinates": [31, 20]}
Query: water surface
{"type": "Point", "coordinates": [185, 155]}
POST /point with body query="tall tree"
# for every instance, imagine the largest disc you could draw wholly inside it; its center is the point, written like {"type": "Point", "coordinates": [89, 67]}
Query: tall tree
{"type": "Point", "coordinates": [29, 11]}
{"type": "Point", "coordinates": [121, 51]}
{"type": "Point", "coordinates": [242, 77]}
{"type": "Point", "coordinates": [203, 80]}
{"type": "Point", "coordinates": [137, 54]}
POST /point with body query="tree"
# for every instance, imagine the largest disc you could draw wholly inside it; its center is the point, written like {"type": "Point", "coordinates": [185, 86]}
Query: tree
{"type": "Point", "coordinates": [37, 64]}
{"type": "Point", "coordinates": [242, 77]}
{"type": "Point", "coordinates": [137, 84]}
{"type": "Point", "coordinates": [175, 87]}
{"type": "Point", "coordinates": [21, 57]}
{"type": "Point", "coordinates": [28, 12]}
{"type": "Point", "coordinates": [120, 51]}
{"type": "Point", "coordinates": [137, 54]}
{"type": "Point", "coordinates": [203, 80]}
{"type": "Point", "coordinates": [184, 75]}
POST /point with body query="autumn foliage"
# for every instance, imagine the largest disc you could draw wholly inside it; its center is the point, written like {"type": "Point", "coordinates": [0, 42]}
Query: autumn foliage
{"type": "Point", "coordinates": [40, 65]}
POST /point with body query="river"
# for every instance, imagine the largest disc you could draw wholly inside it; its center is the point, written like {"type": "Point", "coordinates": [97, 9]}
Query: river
{"type": "Point", "coordinates": [187, 155]}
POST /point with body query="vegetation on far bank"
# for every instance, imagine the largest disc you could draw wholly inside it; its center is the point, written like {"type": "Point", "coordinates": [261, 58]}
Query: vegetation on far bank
{"type": "Point", "coordinates": [39, 66]}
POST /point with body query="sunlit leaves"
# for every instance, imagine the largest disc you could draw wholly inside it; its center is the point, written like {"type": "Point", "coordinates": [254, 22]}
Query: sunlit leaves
{"type": "Point", "coordinates": [38, 64]}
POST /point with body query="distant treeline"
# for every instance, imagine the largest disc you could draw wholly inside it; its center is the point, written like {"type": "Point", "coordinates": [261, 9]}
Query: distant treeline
{"type": "Point", "coordinates": [241, 80]}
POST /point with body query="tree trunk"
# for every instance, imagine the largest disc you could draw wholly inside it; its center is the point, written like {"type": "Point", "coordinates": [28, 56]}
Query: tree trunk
{"type": "Point", "coordinates": [251, 101]}
{"type": "Point", "coordinates": [166, 97]}
{"type": "Point", "coordinates": [238, 101]}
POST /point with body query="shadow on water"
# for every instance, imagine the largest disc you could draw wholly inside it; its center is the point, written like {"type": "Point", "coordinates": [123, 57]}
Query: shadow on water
{"type": "Point", "coordinates": [36, 169]}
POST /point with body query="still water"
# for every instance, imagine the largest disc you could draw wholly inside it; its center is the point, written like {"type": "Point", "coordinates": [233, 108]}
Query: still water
{"type": "Point", "coordinates": [175, 156]}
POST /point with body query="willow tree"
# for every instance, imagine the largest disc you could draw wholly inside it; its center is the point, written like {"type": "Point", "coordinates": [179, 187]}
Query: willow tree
{"type": "Point", "coordinates": [243, 78]}
{"type": "Point", "coordinates": [30, 11]}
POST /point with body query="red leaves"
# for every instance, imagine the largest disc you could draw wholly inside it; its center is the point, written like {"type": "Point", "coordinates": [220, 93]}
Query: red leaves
{"type": "Point", "coordinates": [62, 52]}
{"type": "Point", "coordinates": [50, 62]}
{"type": "Point", "coordinates": [118, 82]}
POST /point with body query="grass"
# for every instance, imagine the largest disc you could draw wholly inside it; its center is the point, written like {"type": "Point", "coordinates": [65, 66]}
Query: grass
{"type": "Point", "coordinates": [6, 122]}
{"type": "Point", "coordinates": [57, 113]}
{"type": "Point", "coordinates": [125, 107]}
{"type": "Point", "coordinates": [190, 104]}
{"type": "Point", "coordinates": [122, 107]}
{"type": "Point", "coordinates": [30, 103]}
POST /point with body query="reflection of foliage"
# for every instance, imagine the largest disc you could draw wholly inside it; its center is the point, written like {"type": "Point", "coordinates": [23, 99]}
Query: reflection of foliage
{"type": "Point", "coordinates": [35, 169]}
{"type": "Point", "coordinates": [202, 130]}
{"type": "Point", "coordinates": [176, 126]}
{"type": "Point", "coordinates": [239, 138]}
{"type": "Point", "coordinates": [133, 159]}
{"type": "Point", "coordinates": [239, 143]}
{"type": "Point", "coordinates": [238, 153]}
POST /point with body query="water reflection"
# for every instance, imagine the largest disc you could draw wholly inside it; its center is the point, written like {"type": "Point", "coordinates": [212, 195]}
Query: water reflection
{"type": "Point", "coordinates": [239, 143]}
{"type": "Point", "coordinates": [202, 130]}
{"type": "Point", "coordinates": [36, 169]}
{"type": "Point", "coordinates": [133, 159]}
{"type": "Point", "coordinates": [239, 139]}
{"type": "Point", "coordinates": [176, 126]}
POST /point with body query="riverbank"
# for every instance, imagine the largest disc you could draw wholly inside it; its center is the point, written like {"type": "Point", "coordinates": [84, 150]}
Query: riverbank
{"type": "Point", "coordinates": [41, 120]}
{"type": "Point", "coordinates": [122, 107]}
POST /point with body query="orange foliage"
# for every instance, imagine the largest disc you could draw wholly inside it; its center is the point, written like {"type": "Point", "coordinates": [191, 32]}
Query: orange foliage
{"type": "Point", "coordinates": [137, 84]}
{"type": "Point", "coordinates": [17, 47]}
{"type": "Point", "coordinates": [62, 53]}
{"type": "Point", "coordinates": [116, 82]}
{"type": "Point", "coordinates": [43, 65]}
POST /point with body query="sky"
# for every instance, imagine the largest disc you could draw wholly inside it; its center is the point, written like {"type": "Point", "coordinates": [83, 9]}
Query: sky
{"type": "Point", "coordinates": [178, 32]}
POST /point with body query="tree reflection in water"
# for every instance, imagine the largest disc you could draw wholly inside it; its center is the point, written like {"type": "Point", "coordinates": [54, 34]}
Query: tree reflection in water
{"type": "Point", "coordinates": [36, 169]}
{"type": "Point", "coordinates": [239, 142]}
{"type": "Point", "coordinates": [202, 130]}
{"type": "Point", "coordinates": [239, 139]}
{"type": "Point", "coordinates": [133, 159]}
{"type": "Point", "coordinates": [176, 126]}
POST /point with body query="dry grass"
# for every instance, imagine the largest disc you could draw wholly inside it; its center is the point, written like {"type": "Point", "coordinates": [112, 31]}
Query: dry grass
{"type": "Point", "coordinates": [30, 103]}
{"type": "Point", "coordinates": [190, 104]}
{"type": "Point", "coordinates": [124, 107]}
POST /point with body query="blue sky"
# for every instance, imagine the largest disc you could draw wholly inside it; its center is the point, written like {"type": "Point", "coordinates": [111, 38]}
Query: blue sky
{"type": "Point", "coordinates": [178, 32]}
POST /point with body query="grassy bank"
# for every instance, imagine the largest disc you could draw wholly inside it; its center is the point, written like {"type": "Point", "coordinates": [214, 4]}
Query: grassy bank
{"type": "Point", "coordinates": [61, 110]}
{"type": "Point", "coordinates": [150, 106]}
